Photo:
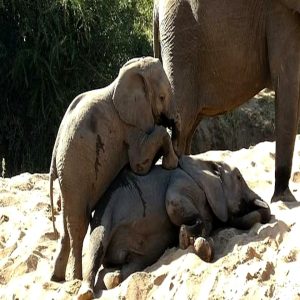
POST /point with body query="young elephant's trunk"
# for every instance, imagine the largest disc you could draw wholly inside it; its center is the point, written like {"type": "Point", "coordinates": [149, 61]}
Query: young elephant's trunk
{"type": "Point", "coordinates": [259, 213]}
{"type": "Point", "coordinates": [172, 120]}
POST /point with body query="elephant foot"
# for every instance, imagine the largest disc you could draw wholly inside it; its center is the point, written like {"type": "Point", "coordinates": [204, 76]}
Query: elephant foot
{"type": "Point", "coordinates": [85, 292]}
{"type": "Point", "coordinates": [285, 196]}
{"type": "Point", "coordinates": [170, 161]}
{"type": "Point", "coordinates": [56, 278]}
{"type": "Point", "coordinates": [189, 233]}
{"type": "Point", "coordinates": [204, 248]}
{"type": "Point", "coordinates": [112, 279]}
{"type": "Point", "coordinates": [185, 239]}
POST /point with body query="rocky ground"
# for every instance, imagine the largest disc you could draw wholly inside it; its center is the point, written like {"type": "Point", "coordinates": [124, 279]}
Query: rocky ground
{"type": "Point", "coordinates": [247, 125]}
{"type": "Point", "coordinates": [262, 263]}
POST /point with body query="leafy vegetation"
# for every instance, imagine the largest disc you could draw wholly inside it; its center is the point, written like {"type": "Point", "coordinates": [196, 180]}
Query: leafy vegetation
{"type": "Point", "coordinates": [50, 51]}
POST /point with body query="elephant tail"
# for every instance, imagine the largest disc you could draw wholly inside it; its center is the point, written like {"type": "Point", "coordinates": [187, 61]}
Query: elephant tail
{"type": "Point", "coordinates": [156, 42]}
{"type": "Point", "coordinates": [52, 177]}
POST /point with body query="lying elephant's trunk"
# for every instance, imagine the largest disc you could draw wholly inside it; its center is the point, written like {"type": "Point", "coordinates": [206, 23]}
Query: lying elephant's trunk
{"type": "Point", "coordinates": [259, 213]}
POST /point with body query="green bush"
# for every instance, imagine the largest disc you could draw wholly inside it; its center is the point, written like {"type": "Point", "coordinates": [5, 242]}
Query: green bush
{"type": "Point", "coordinates": [50, 51]}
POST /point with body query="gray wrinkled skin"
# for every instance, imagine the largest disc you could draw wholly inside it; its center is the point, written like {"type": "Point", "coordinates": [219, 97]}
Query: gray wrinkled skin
{"type": "Point", "coordinates": [140, 216]}
{"type": "Point", "coordinates": [219, 54]}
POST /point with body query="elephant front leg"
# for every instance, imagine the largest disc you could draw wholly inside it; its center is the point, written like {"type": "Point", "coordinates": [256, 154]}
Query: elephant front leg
{"type": "Point", "coordinates": [193, 231]}
{"type": "Point", "coordinates": [143, 149]}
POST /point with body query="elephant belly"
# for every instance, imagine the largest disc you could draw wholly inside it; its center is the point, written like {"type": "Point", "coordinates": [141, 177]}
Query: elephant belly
{"type": "Point", "coordinates": [140, 242]}
{"type": "Point", "coordinates": [217, 54]}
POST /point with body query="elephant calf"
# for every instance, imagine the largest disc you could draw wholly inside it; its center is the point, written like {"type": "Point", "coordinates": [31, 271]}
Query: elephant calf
{"type": "Point", "coordinates": [140, 216]}
{"type": "Point", "coordinates": [102, 131]}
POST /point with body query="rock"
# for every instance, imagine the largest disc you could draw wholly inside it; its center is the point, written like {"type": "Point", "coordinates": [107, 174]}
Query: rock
{"type": "Point", "coordinates": [245, 126]}
{"type": "Point", "coordinates": [296, 177]}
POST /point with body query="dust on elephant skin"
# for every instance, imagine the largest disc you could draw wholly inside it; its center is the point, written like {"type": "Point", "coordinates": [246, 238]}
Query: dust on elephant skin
{"type": "Point", "coordinates": [99, 146]}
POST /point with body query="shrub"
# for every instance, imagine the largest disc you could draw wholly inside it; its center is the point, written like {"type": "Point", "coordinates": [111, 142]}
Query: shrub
{"type": "Point", "coordinates": [50, 51]}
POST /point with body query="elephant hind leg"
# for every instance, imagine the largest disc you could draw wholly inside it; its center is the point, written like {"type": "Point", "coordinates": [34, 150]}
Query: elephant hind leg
{"type": "Point", "coordinates": [287, 119]}
{"type": "Point", "coordinates": [77, 229]}
{"type": "Point", "coordinates": [62, 257]}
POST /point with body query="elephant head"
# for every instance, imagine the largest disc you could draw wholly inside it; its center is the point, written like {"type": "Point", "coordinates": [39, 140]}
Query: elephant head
{"type": "Point", "coordinates": [143, 96]}
{"type": "Point", "coordinates": [227, 193]}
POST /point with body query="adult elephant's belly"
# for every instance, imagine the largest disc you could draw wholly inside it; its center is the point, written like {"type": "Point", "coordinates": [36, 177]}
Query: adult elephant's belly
{"type": "Point", "coordinates": [218, 52]}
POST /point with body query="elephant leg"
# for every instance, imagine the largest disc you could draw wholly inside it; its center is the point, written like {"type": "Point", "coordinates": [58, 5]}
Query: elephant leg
{"type": "Point", "coordinates": [95, 257]}
{"type": "Point", "coordinates": [185, 140]}
{"type": "Point", "coordinates": [182, 211]}
{"type": "Point", "coordinates": [62, 257]}
{"type": "Point", "coordinates": [113, 277]}
{"type": "Point", "coordinates": [78, 225]}
{"type": "Point", "coordinates": [133, 266]}
{"type": "Point", "coordinates": [188, 143]}
{"type": "Point", "coordinates": [108, 278]}
{"type": "Point", "coordinates": [144, 147]}
{"type": "Point", "coordinates": [286, 129]}
{"type": "Point", "coordinates": [285, 72]}
{"type": "Point", "coordinates": [188, 233]}
{"type": "Point", "coordinates": [193, 230]}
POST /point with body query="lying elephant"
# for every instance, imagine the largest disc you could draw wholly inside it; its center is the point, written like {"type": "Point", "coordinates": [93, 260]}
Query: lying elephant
{"type": "Point", "coordinates": [101, 132]}
{"type": "Point", "coordinates": [139, 216]}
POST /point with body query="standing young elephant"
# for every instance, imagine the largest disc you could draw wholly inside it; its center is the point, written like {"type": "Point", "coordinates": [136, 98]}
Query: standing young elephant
{"type": "Point", "coordinates": [100, 133]}
{"type": "Point", "coordinates": [134, 223]}
{"type": "Point", "coordinates": [219, 54]}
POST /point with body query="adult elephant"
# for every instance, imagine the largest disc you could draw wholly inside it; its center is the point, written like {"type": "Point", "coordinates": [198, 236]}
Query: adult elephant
{"type": "Point", "coordinates": [219, 54]}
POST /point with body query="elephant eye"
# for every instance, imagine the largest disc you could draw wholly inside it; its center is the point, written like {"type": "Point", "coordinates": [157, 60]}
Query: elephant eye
{"type": "Point", "coordinates": [162, 98]}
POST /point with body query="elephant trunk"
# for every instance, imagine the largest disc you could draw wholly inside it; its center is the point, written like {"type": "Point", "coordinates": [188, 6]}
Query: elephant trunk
{"type": "Point", "coordinates": [259, 212]}
{"type": "Point", "coordinates": [172, 120]}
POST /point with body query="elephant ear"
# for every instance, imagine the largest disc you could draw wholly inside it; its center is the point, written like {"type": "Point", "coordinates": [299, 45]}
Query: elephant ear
{"type": "Point", "coordinates": [205, 175]}
{"type": "Point", "coordinates": [132, 96]}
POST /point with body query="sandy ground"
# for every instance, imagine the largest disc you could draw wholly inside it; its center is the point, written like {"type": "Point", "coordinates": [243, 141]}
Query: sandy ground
{"type": "Point", "coordinates": [262, 263]}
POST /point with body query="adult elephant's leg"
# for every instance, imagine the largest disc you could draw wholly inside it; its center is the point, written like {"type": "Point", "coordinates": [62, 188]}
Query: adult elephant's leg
{"type": "Point", "coordinates": [183, 76]}
{"type": "Point", "coordinates": [284, 55]}
{"type": "Point", "coordinates": [188, 144]}
{"type": "Point", "coordinates": [63, 252]}
{"type": "Point", "coordinates": [189, 121]}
